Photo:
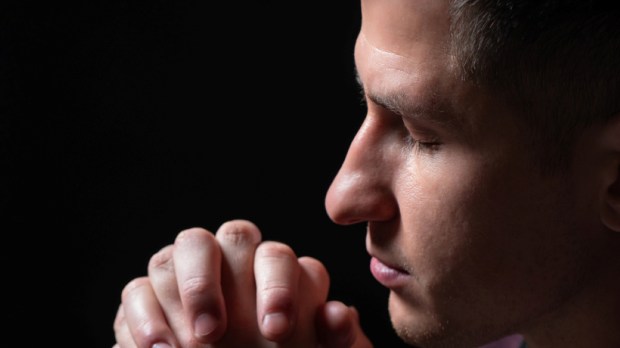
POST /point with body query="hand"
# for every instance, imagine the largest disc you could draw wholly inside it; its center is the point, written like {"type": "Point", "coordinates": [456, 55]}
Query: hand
{"type": "Point", "coordinates": [232, 290]}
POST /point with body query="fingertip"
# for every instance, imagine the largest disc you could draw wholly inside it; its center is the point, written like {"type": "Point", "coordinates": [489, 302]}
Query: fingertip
{"type": "Point", "coordinates": [161, 259]}
{"type": "Point", "coordinates": [131, 287]}
{"type": "Point", "coordinates": [355, 313]}
{"type": "Point", "coordinates": [338, 315]}
{"type": "Point", "coordinates": [317, 274]}
{"type": "Point", "coordinates": [316, 269]}
{"type": "Point", "coordinates": [192, 232]}
{"type": "Point", "coordinates": [239, 232]}
{"type": "Point", "coordinates": [336, 325]}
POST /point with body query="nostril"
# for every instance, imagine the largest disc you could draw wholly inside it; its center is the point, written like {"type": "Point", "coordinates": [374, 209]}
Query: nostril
{"type": "Point", "coordinates": [342, 210]}
{"type": "Point", "coordinates": [350, 222]}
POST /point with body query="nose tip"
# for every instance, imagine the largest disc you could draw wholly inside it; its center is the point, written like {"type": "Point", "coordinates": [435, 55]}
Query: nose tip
{"type": "Point", "coordinates": [362, 189]}
{"type": "Point", "coordinates": [354, 198]}
{"type": "Point", "coordinates": [339, 208]}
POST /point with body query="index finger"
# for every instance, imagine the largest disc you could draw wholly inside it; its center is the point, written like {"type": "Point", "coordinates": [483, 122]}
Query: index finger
{"type": "Point", "coordinates": [197, 262]}
{"type": "Point", "coordinates": [277, 274]}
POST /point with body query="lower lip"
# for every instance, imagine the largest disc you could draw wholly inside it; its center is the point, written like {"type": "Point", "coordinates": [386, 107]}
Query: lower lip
{"type": "Point", "coordinates": [386, 275]}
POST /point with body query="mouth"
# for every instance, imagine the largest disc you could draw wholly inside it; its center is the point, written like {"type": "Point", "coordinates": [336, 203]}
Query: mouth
{"type": "Point", "coordinates": [388, 275]}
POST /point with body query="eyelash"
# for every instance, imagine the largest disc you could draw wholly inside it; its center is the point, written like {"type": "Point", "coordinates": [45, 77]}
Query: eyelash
{"type": "Point", "coordinates": [411, 143]}
{"type": "Point", "coordinates": [418, 146]}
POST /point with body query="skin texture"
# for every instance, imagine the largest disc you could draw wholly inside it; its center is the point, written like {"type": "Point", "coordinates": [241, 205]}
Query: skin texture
{"type": "Point", "coordinates": [483, 244]}
{"type": "Point", "coordinates": [487, 244]}
{"type": "Point", "coordinates": [231, 289]}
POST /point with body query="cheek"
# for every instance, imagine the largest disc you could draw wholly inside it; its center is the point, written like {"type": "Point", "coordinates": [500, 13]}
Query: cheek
{"type": "Point", "coordinates": [475, 234]}
{"type": "Point", "coordinates": [464, 218]}
{"type": "Point", "coordinates": [439, 206]}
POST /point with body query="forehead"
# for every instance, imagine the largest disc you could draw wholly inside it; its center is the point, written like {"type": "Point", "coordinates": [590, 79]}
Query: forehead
{"type": "Point", "coordinates": [402, 53]}
{"type": "Point", "coordinates": [408, 36]}
{"type": "Point", "coordinates": [396, 24]}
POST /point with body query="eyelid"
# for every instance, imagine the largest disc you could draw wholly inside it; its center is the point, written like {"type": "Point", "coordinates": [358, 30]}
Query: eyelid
{"type": "Point", "coordinates": [420, 125]}
{"type": "Point", "coordinates": [416, 146]}
{"type": "Point", "coordinates": [422, 135]}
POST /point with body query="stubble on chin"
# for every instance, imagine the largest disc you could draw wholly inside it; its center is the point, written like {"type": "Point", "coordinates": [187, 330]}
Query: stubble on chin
{"type": "Point", "coordinates": [423, 328]}
{"type": "Point", "coordinates": [414, 325]}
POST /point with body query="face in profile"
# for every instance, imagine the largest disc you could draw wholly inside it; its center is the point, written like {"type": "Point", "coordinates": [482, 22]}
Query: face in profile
{"type": "Point", "coordinates": [473, 242]}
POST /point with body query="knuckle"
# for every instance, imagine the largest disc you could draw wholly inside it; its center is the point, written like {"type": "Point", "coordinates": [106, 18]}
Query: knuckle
{"type": "Point", "coordinates": [271, 290]}
{"type": "Point", "coordinates": [194, 232]}
{"type": "Point", "coordinates": [240, 232]}
{"type": "Point", "coordinates": [149, 332]}
{"type": "Point", "coordinates": [194, 238]}
{"type": "Point", "coordinates": [276, 297]}
{"type": "Point", "coordinates": [195, 287]}
{"type": "Point", "coordinates": [316, 273]}
{"type": "Point", "coordinates": [133, 285]}
{"type": "Point", "coordinates": [313, 265]}
{"type": "Point", "coordinates": [275, 250]}
{"type": "Point", "coordinates": [162, 260]}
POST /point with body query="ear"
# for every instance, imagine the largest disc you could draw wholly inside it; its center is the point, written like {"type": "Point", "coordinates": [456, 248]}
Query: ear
{"type": "Point", "coordinates": [610, 212]}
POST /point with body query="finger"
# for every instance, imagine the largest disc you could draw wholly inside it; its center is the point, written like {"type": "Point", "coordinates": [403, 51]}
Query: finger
{"type": "Point", "coordinates": [197, 263]}
{"type": "Point", "coordinates": [361, 340]}
{"type": "Point", "coordinates": [276, 272]}
{"type": "Point", "coordinates": [145, 318]}
{"type": "Point", "coordinates": [164, 282]}
{"type": "Point", "coordinates": [312, 293]}
{"type": "Point", "coordinates": [338, 326]}
{"type": "Point", "coordinates": [238, 240]}
{"type": "Point", "coordinates": [335, 326]}
{"type": "Point", "coordinates": [317, 276]}
{"type": "Point", "coordinates": [121, 331]}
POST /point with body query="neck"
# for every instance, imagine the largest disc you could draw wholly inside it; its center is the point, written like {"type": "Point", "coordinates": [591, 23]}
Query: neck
{"type": "Point", "coordinates": [589, 319]}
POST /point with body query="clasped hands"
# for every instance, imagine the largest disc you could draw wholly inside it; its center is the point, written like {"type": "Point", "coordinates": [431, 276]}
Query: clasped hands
{"type": "Point", "coordinates": [231, 289]}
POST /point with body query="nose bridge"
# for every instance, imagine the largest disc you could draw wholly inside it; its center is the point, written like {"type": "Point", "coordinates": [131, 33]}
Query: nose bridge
{"type": "Point", "coordinates": [361, 190]}
{"type": "Point", "coordinates": [368, 150]}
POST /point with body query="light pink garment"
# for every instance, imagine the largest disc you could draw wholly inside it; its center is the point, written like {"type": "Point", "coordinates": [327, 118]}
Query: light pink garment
{"type": "Point", "coordinates": [513, 341]}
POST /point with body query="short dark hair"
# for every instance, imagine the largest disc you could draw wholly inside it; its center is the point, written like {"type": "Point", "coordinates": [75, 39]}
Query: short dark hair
{"type": "Point", "coordinates": [556, 62]}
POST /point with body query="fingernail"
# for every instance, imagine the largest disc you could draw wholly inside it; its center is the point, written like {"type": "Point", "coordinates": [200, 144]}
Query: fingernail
{"type": "Point", "coordinates": [275, 323]}
{"type": "Point", "coordinates": [205, 324]}
{"type": "Point", "coordinates": [161, 345]}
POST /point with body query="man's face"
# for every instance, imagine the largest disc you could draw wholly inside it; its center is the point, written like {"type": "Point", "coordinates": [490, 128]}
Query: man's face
{"type": "Point", "coordinates": [471, 240]}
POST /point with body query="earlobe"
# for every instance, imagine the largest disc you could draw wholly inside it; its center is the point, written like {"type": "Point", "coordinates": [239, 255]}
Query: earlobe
{"type": "Point", "coordinates": [610, 214]}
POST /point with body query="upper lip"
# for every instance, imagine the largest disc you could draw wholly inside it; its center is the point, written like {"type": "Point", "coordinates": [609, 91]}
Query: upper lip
{"type": "Point", "coordinates": [384, 254]}
{"type": "Point", "coordinates": [388, 263]}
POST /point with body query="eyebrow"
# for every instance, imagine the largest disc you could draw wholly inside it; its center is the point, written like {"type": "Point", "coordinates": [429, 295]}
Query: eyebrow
{"type": "Point", "coordinates": [400, 104]}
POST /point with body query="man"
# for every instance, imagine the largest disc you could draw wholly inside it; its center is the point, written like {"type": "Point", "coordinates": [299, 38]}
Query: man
{"type": "Point", "coordinates": [488, 173]}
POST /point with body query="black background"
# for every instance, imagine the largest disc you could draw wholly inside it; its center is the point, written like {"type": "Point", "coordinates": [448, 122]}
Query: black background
{"type": "Point", "coordinates": [123, 123]}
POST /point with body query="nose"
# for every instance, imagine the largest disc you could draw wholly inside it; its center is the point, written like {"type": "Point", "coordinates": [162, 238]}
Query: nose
{"type": "Point", "coordinates": [362, 189]}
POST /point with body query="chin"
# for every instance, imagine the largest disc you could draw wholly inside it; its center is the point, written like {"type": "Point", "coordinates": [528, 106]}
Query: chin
{"type": "Point", "coordinates": [415, 324]}
{"type": "Point", "coordinates": [422, 336]}
{"type": "Point", "coordinates": [421, 327]}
